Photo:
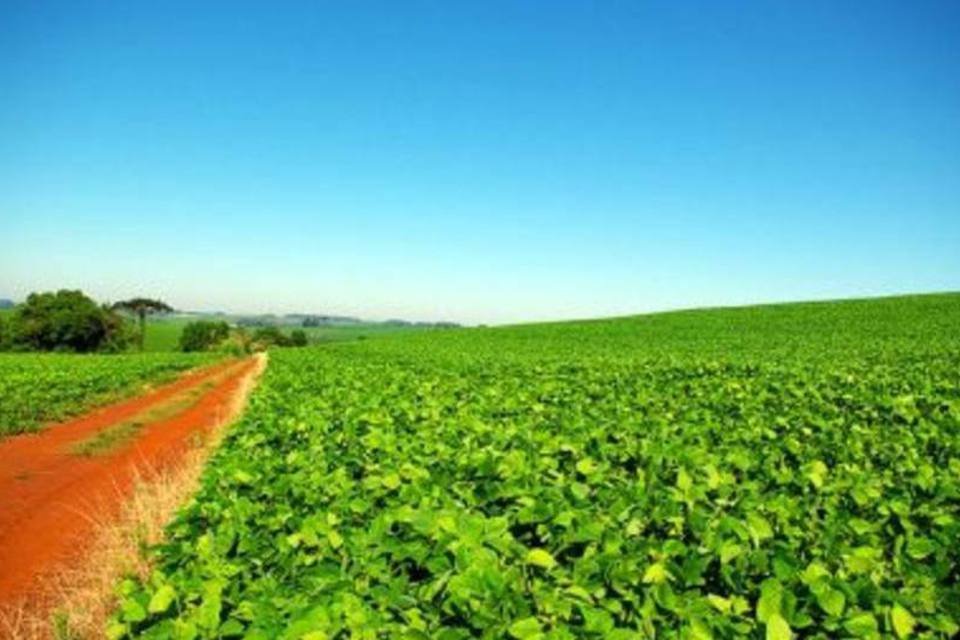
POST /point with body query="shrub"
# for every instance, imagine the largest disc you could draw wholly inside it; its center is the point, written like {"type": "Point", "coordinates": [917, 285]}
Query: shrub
{"type": "Point", "coordinates": [271, 337]}
{"type": "Point", "coordinates": [298, 338]}
{"type": "Point", "coordinates": [6, 340]}
{"type": "Point", "coordinates": [203, 335]}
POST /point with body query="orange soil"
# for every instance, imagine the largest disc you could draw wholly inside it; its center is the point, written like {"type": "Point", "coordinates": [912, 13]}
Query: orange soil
{"type": "Point", "coordinates": [48, 494]}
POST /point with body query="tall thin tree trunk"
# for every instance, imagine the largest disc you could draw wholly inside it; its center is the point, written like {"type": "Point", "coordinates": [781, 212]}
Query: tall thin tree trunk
{"type": "Point", "coordinates": [143, 328]}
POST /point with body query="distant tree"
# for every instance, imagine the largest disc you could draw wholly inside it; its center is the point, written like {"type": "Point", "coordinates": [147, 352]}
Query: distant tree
{"type": "Point", "coordinates": [6, 303]}
{"type": "Point", "coordinates": [271, 336]}
{"type": "Point", "coordinates": [120, 333]}
{"type": "Point", "coordinates": [203, 335]}
{"type": "Point", "coordinates": [6, 339]}
{"type": "Point", "coordinates": [298, 338]}
{"type": "Point", "coordinates": [142, 307]}
{"type": "Point", "coordinates": [64, 321]}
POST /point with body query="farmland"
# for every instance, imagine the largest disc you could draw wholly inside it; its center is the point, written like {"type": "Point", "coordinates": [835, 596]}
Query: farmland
{"type": "Point", "coordinates": [163, 334]}
{"type": "Point", "coordinates": [40, 388]}
{"type": "Point", "coordinates": [778, 471]}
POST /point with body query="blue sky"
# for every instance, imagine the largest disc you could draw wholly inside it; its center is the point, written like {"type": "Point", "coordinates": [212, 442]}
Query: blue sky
{"type": "Point", "coordinates": [479, 162]}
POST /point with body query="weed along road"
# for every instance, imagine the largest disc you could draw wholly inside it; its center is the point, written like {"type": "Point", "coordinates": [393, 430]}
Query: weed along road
{"type": "Point", "coordinates": [57, 484]}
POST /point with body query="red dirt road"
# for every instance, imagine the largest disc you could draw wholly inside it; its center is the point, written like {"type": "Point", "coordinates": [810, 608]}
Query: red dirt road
{"type": "Point", "coordinates": [48, 492]}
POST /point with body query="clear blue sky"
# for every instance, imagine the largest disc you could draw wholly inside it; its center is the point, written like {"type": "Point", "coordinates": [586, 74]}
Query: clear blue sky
{"type": "Point", "coordinates": [482, 161]}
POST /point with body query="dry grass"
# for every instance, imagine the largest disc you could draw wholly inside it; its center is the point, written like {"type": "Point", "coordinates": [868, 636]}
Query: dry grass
{"type": "Point", "coordinates": [82, 598]}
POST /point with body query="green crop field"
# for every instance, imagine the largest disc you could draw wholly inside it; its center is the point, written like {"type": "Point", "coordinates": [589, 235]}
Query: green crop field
{"type": "Point", "coordinates": [39, 388]}
{"type": "Point", "coordinates": [765, 472]}
{"type": "Point", "coordinates": [163, 334]}
{"type": "Point", "coordinates": [358, 331]}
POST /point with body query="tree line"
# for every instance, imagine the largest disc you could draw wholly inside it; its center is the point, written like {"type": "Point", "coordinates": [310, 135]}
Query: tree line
{"type": "Point", "coordinates": [65, 320]}
{"type": "Point", "coordinates": [70, 321]}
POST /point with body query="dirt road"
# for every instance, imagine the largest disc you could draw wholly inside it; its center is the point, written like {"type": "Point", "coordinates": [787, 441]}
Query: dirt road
{"type": "Point", "coordinates": [52, 482]}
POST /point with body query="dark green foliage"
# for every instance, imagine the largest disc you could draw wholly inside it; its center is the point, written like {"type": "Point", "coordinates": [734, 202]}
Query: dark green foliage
{"type": "Point", "coordinates": [298, 338]}
{"type": "Point", "coordinates": [271, 337]}
{"type": "Point", "coordinates": [65, 321]}
{"type": "Point", "coordinates": [6, 332]}
{"type": "Point", "coordinates": [772, 472]}
{"type": "Point", "coordinates": [203, 335]}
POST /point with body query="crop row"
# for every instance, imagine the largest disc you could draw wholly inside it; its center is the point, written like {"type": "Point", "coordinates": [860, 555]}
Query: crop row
{"type": "Point", "coordinates": [39, 388]}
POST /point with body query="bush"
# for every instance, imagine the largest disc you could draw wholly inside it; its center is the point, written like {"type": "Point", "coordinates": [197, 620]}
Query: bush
{"type": "Point", "coordinates": [6, 339]}
{"type": "Point", "coordinates": [271, 337]}
{"type": "Point", "coordinates": [66, 321]}
{"type": "Point", "coordinates": [203, 335]}
{"type": "Point", "coordinates": [298, 338]}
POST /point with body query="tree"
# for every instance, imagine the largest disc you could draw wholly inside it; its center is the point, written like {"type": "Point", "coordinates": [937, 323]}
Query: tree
{"type": "Point", "coordinates": [203, 334]}
{"type": "Point", "coordinates": [6, 339]}
{"type": "Point", "coordinates": [142, 307]}
{"type": "Point", "coordinates": [298, 338]}
{"type": "Point", "coordinates": [64, 321]}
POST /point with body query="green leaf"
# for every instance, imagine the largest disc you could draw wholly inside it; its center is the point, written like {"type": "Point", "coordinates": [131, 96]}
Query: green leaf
{"type": "Point", "coordinates": [656, 574]}
{"type": "Point", "coordinates": [919, 548]}
{"type": "Point", "coordinates": [335, 539]}
{"type": "Point", "coordinates": [634, 528]}
{"type": "Point", "coordinates": [162, 599]}
{"type": "Point", "coordinates": [391, 481]}
{"type": "Point", "coordinates": [699, 630]}
{"type": "Point", "coordinates": [597, 621]}
{"type": "Point", "coordinates": [813, 573]}
{"type": "Point", "coordinates": [730, 551]}
{"type": "Point", "coordinates": [540, 558]}
{"type": "Point", "coordinates": [525, 629]}
{"type": "Point", "coordinates": [231, 629]}
{"type": "Point", "coordinates": [817, 473]}
{"type": "Point", "coordinates": [586, 466]}
{"type": "Point", "coordinates": [944, 623]}
{"type": "Point", "coordinates": [903, 621]}
{"type": "Point", "coordinates": [116, 631]}
{"type": "Point", "coordinates": [863, 559]}
{"type": "Point", "coordinates": [861, 625]}
{"type": "Point", "coordinates": [830, 600]}
{"type": "Point", "coordinates": [777, 628]}
{"type": "Point", "coordinates": [768, 605]}
{"type": "Point", "coordinates": [760, 529]}
{"type": "Point", "coordinates": [720, 603]}
{"type": "Point", "coordinates": [133, 611]}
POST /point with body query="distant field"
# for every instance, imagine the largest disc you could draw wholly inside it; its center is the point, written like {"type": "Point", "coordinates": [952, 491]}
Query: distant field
{"type": "Point", "coordinates": [779, 471]}
{"type": "Point", "coordinates": [37, 388]}
{"type": "Point", "coordinates": [164, 334]}
{"type": "Point", "coordinates": [340, 333]}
